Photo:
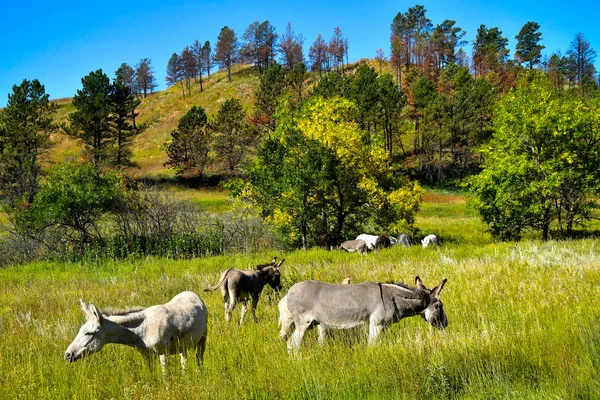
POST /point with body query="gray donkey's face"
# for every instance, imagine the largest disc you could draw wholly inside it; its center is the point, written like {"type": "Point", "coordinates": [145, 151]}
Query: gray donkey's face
{"type": "Point", "coordinates": [434, 313]}
{"type": "Point", "coordinates": [91, 336]}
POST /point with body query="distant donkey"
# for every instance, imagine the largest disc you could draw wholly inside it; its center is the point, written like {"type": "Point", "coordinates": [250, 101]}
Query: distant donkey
{"type": "Point", "coordinates": [169, 328]}
{"type": "Point", "coordinates": [241, 286]}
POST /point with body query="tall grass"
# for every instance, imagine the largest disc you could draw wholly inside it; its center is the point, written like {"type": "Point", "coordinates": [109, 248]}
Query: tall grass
{"type": "Point", "coordinates": [524, 323]}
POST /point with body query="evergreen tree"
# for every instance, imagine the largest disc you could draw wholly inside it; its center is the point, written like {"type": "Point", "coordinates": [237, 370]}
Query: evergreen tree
{"type": "Point", "coordinates": [145, 79]}
{"type": "Point", "coordinates": [582, 56]}
{"type": "Point", "coordinates": [124, 104]}
{"type": "Point", "coordinates": [290, 48]}
{"type": "Point", "coordinates": [317, 55]}
{"type": "Point", "coordinates": [26, 124]}
{"type": "Point", "coordinates": [92, 120]}
{"type": "Point", "coordinates": [188, 150]}
{"type": "Point", "coordinates": [126, 74]}
{"type": "Point", "coordinates": [231, 134]}
{"type": "Point", "coordinates": [272, 86]}
{"type": "Point", "coordinates": [226, 51]}
{"type": "Point", "coordinates": [259, 48]}
{"type": "Point", "coordinates": [206, 55]}
{"type": "Point", "coordinates": [528, 48]}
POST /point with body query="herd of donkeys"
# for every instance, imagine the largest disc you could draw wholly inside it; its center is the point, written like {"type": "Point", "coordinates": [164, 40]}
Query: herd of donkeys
{"type": "Point", "coordinates": [181, 324]}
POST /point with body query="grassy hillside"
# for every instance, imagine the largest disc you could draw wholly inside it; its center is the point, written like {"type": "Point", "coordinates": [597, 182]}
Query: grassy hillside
{"type": "Point", "coordinates": [523, 324]}
{"type": "Point", "coordinates": [161, 111]}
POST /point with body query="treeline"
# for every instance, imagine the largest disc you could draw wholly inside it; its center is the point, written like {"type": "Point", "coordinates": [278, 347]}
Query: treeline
{"type": "Point", "coordinates": [323, 155]}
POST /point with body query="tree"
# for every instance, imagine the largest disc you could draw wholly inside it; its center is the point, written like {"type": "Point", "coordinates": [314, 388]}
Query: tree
{"type": "Point", "coordinates": [446, 37]}
{"type": "Point", "coordinates": [317, 55]}
{"type": "Point", "coordinates": [489, 50]}
{"type": "Point", "coordinates": [174, 72]}
{"type": "Point", "coordinates": [26, 124]}
{"type": "Point", "coordinates": [92, 121]}
{"type": "Point", "coordinates": [391, 102]}
{"type": "Point", "coordinates": [290, 48]}
{"type": "Point", "coordinates": [327, 180]}
{"type": "Point", "coordinates": [72, 203]}
{"type": "Point", "coordinates": [259, 48]}
{"type": "Point", "coordinates": [528, 48]}
{"type": "Point", "coordinates": [126, 74]}
{"type": "Point", "coordinates": [558, 70]}
{"type": "Point", "coordinates": [200, 61]}
{"type": "Point", "coordinates": [206, 56]}
{"type": "Point", "coordinates": [226, 52]}
{"type": "Point", "coordinates": [124, 104]}
{"type": "Point", "coordinates": [582, 56]}
{"type": "Point", "coordinates": [540, 167]}
{"type": "Point", "coordinates": [231, 134]}
{"type": "Point", "coordinates": [271, 87]}
{"type": "Point", "coordinates": [380, 58]}
{"type": "Point", "coordinates": [337, 49]}
{"type": "Point", "coordinates": [146, 82]}
{"type": "Point", "coordinates": [188, 64]}
{"type": "Point", "coordinates": [188, 150]}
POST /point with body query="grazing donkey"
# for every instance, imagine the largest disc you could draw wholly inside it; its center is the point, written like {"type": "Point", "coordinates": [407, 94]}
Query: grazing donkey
{"type": "Point", "coordinates": [429, 240]}
{"type": "Point", "coordinates": [352, 246]}
{"type": "Point", "coordinates": [242, 286]}
{"type": "Point", "coordinates": [404, 240]}
{"type": "Point", "coordinates": [163, 329]}
{"type": "Point", "coordinates": [330, 306]}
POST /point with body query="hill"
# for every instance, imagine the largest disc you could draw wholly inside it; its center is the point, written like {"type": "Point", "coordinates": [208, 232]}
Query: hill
{"type": "Point", "coordinates": [161, 112]}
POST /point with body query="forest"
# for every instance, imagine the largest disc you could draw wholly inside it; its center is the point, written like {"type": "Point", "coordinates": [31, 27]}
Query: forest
{"type": "Point", "coordinates": [320, 149]}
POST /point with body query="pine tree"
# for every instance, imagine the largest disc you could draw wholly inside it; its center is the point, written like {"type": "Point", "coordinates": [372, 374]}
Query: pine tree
{"type": "Point", "coordinates": [528, 48]}
{"type": "Point", "coordinates": [26, 124]}
{"type": "Point", "coordinates": [226, 52]}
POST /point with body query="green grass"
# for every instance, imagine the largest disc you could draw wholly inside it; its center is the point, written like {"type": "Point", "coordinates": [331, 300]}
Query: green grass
{"type": "Point", "coordinates": [524, 323]}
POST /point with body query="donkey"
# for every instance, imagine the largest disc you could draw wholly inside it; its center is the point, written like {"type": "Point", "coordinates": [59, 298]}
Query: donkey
{"type": "Point", "coordinates": [241, 286]}
{"type": "Point", "coordinates": [330, 306]}
{"type": "Point", "coordinates": [174, 327]}
{"type": "Point", "coordinates": [352, 246]}
{"type": "Point", "coordinates": [429, 240]}
{"type": "Point", "coordinates": [404, 240]}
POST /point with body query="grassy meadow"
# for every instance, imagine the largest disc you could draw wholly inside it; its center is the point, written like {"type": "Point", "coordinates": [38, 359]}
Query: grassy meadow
{"type": "Point", "coordinates": [524, 322]}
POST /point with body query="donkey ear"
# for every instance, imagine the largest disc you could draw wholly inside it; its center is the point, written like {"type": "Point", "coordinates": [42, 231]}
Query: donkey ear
{"type": "Point", "coordinates": [279, 264]}
{"type": "Point", "coordinates": [87, 310]}
{"type": "Point", "coordinates": [96, 312]}
{"type": "Point", "coordinates": [435, 292]}
{"type": "Point", "coordinates": [274, 260]}
{"type": "Point", "coordinates": [419, 283]}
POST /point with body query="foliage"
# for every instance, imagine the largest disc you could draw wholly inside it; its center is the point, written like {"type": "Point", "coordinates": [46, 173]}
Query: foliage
{"type": "Point", "coordinates": [540, 167]}
{"type": "Point", "coordinates": [232, 135]}
{"type": "Point", "coordinates": [328, 179]}
{"type": "Point", "coordinates": [226, 50]}
{"type": "Point", "coordinates": [189, 147]}
{"type": "Point", "coordinates": [71, 204]}
{"type": "Point", "coordinates": [144, 75]}
{"type": "Point", "coordinates": [528, 50]}
{"type": "Point", "coordinates": [25, 127]}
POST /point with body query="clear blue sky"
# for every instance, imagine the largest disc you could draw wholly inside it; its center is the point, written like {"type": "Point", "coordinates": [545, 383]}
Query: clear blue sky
{"type": "Point", "coordinates": [60, 42]}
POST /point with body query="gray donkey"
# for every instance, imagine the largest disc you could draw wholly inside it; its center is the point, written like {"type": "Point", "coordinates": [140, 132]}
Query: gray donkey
{"type": "Point", "coordinates": [241, 286]}
{"type": "Point", "coordinates": [328, 306]}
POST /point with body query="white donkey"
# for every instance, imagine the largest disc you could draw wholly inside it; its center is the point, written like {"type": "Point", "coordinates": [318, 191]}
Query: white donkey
{"type": "Point", "coordinates": [164, 329]}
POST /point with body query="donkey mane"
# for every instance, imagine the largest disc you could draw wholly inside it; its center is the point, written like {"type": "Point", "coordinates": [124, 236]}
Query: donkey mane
{"type": "Point", "coordinates": [409, 292]}
{"type": "Point", "coordinates": [109, 312]}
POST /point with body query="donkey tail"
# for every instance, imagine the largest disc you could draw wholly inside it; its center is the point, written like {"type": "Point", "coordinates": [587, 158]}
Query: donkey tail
{"type": "Point", "coordinates": [218, 285]}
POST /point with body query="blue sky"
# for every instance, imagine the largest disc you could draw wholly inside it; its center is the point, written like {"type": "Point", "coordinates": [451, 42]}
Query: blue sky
{"type": "Point", "coordinates": [62, 41]}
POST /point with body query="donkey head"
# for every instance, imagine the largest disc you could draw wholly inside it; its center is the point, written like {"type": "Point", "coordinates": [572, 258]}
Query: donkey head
{"type": "Point", "coordinates": [434, 313]}
{"type": "Point", "coordinates": [271, 274]}
{"type": "Point", "coordinates": [91, 336]}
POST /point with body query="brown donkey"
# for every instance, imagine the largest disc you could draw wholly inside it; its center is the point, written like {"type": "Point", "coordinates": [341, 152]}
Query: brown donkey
{"type": "Point", "coordinates": [241, 286]}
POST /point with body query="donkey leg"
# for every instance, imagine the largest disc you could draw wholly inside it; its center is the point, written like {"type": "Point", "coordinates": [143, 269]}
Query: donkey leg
{"type": "Point", "coordinates": [182, 359]}
{"type": "Point", "coordinates": [163, 364]}
{"type": "Point", "coordinates": [322, 332]}
{"type": "Point", "coordinates": [200, 348]}
{"type": "Point", "coordinates": [286, 322]}
{"type": "Point", "coordinates": [375, 329]}
{"type": "Point", "coordinates": [244, 309]}
{"type": "Point", "coordinates": [231, 305]}
{"type": "Point", "coordinates": [296, 339]}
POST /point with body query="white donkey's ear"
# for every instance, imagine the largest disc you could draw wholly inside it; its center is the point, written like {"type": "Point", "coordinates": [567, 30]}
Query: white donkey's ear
{"type": "Point", "coordinates": [96, 312]}
{"type": "Point", "coordinates": [85, 308]}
